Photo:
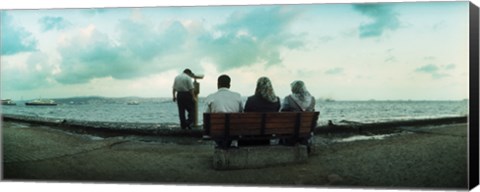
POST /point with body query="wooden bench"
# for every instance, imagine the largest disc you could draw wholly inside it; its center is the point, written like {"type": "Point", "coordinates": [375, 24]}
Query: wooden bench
{"type": "Point", "coordinates": [225, 127]}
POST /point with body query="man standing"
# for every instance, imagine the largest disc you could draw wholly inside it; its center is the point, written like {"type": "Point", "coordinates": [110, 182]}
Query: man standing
{"type": "Point", "coordinates": [183, 94]}
{"type": "Point", "coordinates": [224, 100]}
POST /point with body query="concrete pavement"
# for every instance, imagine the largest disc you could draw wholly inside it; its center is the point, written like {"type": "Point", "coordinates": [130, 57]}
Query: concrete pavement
{"type": "Point", "coordinates": [421, 157]}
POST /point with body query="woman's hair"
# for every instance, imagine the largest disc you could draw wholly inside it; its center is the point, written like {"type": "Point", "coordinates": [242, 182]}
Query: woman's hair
{"type": "Point", "coordinates": [265, 89]}
{"type": "Point", "coordinates": [299, 90]}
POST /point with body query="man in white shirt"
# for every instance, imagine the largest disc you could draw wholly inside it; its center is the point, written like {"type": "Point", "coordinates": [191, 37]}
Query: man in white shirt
{"type": "Point", "coordinates": [183, 94]}
{"type": "Point", "coordinates": [224, 100]}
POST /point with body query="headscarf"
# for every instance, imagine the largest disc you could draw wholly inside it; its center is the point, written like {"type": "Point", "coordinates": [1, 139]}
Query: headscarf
{"type": "Point", "coordinates": [265, 89]}
{"type": "Point", "coordinates": [300, 94]}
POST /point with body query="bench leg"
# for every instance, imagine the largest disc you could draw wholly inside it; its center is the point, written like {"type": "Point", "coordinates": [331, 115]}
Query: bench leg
{"type": "Point", "coordinates": [223, 144]}
{"type": "Point", "coordinates": [258, 157]}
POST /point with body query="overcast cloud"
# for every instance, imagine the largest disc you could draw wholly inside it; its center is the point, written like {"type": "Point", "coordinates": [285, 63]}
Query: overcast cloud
{"type": "Point", "coordinates": [334, 48]}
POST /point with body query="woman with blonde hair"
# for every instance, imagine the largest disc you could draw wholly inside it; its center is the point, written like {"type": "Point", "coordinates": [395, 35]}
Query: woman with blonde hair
{"type": "Point", "coordinates": [264, 99]}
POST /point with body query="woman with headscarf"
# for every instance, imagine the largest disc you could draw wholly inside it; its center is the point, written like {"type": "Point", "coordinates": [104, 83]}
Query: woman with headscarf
{"type": "Point", "coordinates": [300, 99]}
{"type": "Point", "coordinates": [264, 99]}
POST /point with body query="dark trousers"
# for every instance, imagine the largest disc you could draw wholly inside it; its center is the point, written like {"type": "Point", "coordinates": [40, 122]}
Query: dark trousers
{"type": "Point", "coordinates": [185, 103]}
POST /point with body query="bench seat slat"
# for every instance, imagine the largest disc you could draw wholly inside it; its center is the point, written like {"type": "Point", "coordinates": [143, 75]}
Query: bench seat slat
{"type": "Point", "coordinates": [249, 125]}
{"type": "Point", "coordinates": [217, 127]}
{"type": "Point", "coordinates": [267, 131]}
{"type": "Point", "coordinates": [268, 126]}
{"type": "Point", "coordinates": [235, 121]}
{"type": "Point", "coordinates": [287, 133]}
{"type": "Point", "coordinates": [267, 120]}
{"type": "Point", "coordinates": [255, 115]}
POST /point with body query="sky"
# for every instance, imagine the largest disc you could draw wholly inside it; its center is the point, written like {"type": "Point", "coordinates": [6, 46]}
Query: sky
{"type": "Point", "coordinates": [417, 51]}
{"type": "Point", "coordinates": [381, 51]}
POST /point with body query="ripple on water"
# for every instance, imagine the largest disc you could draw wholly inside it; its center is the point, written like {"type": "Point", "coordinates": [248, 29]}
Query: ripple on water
{"type": "Point", "coordinates": [365, 137]}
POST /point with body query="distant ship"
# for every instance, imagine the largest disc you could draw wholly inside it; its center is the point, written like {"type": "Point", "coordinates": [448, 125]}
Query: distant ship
{"type": "Point", "coordinates": [41, 102]}
{"type": "Point", "coordinates": [8, 102]}
{"type": "Point", "coordinates": [329, 100]}
{"type": "Point", "coordinates": [133, 103]}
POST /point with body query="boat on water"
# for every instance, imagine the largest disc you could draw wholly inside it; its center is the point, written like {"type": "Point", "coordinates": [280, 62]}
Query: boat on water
{"type": "Point", "coordinates": [329, 100]}
{"type": "Point", "coordinates": [133, 103]}
{"type": "Point", "coordinates": [41, 102]}
{"type": "Point", "coordinates": [8, 102]}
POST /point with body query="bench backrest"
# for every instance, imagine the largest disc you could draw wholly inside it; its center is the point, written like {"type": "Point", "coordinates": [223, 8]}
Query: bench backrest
{"type": "Point", "coordinates": [298, 124]}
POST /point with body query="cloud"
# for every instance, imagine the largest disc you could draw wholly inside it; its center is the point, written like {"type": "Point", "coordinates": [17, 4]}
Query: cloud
{"type": "Point", "coordinates": [390, 59]}
{"type": "Point", "coordinates": [334, 71]}
{"type": "Point", "coordinates": [430, 68]}
{"type": "Point", "coordinates": [146, 42]}
{"type": "Point", "coordinates": [36, 73]}
{"type": "Point", "coordinates": [260, 23]}
{"type": "Point", "coordinates": [53, 23]}
{"type": "Point", "coordinates": [94, 11]}
{"type": "Point", "coordinates": [439, 75]}
{"type": "Point", "coordinates": [326, 39]}
{"type": "Point", "coordinates": [382, 18]}
{"type": "Point", "coordinates": [435, 71]}
{"type": "Point", "coordinates": [450, 66]}
{"type": "Point", "coordinates": [439, 25]}
{"type": "Point", "coordinates": [139, 49]}
{"type": "Point", "coordinates": [15, 39]}
{"type": "Point", "coordinates": [230, 52]}
{"type": "Point", "coordinates": [251, 37]}
{"type": "Point", "coordinates": [430, 58]}
{"type": "Point", "coordinates": [93, 54]}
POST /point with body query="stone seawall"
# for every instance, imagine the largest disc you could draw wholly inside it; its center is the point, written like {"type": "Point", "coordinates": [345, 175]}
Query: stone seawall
{"type": "Point", "coordinates": [169, 129]}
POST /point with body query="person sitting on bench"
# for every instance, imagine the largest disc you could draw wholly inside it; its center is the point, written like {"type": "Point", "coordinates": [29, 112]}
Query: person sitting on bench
{"type": "Point", "coordinates": [299, 100]}
{"type": "Point", "coordinates": [224, 100]}
{"type": "Point", "coordinates": [264, 100]}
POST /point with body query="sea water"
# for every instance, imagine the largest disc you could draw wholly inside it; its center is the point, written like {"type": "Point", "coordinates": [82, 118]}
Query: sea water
{"type": "Point", "coordinates": [164, 110]}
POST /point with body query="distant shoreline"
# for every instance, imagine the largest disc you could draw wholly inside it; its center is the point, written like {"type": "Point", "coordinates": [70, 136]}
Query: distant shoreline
{"type": "Point", "coordinates": [319, 99]}
{"type": "Point", "coordinates": [172, 129]}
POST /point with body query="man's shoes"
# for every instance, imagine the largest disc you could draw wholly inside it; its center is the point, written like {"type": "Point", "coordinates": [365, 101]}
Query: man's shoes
{"type": "Point", "coordinates": [189, 126]}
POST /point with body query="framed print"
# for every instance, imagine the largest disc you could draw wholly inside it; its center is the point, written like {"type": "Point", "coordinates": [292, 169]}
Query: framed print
{"type": "Point", "coordinates": [318, 95]}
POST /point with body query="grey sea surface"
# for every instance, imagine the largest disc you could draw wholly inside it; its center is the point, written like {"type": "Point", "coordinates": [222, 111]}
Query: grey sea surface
{"type": "Point", "coordinates": [164, 110]}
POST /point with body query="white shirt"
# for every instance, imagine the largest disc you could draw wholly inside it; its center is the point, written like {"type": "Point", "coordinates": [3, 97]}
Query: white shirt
{"type": "Point", "coordinates": [224, 101]}
{"type": "Point", "coordinates": [182, 83]}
